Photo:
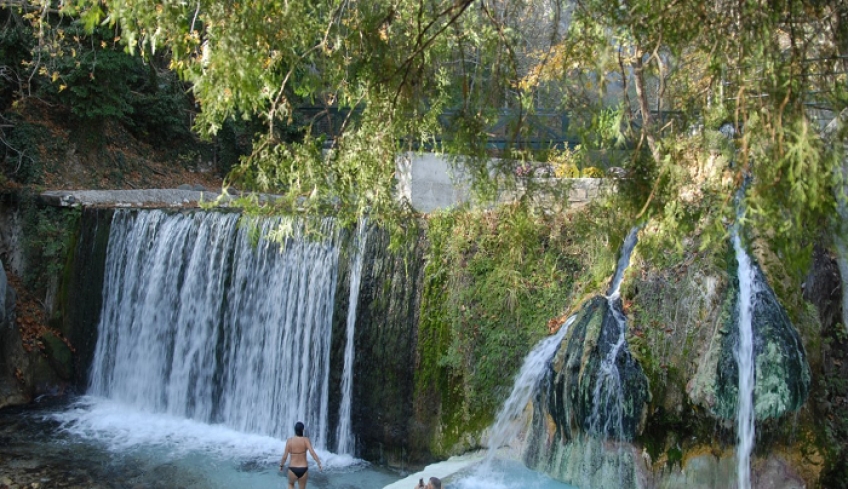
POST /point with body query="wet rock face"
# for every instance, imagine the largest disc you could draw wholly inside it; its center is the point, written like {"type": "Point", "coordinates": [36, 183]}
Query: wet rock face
{"type": "Point", "coordinates": [83, 296]}
{"type": "Point", "coordinates": [575, 412]}
{"type": "Point", "coordinates": [11, 349]}
{"type": "Point", "coordinates": [576, 400]}
{"type": "Point", "coordinates": [4, 314]}
{"type": "Point", "coordinates": [382, 414]}
{"type": "Point", "coordinates": [781, 368]}
{"type": "Point", "coordinates": [708, 471]}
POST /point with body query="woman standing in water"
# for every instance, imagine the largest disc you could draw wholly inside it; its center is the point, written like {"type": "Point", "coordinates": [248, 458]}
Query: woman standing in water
{"type": "Point", "coordinates": [297, 446]}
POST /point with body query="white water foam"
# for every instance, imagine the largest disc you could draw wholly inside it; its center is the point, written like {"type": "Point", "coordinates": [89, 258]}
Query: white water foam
{"type": "Point", "coordinates": [200, 455]}
{"type": "Point", "coordinates": [346, 442]}
{"type": "Point", "coordinates": [745, 359]}
{"type": "Point", "coordinates": [122, 428]}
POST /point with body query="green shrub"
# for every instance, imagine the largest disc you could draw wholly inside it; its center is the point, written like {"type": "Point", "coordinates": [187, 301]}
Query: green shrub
{"type": "Point", "coordinates": [20, 152]}
{"type": "Point", "coordinates": [493, 281]}
{"type": "Point", "coordinates": [16, 42]}
{"type": "Point", "coordinates": [48, 234]}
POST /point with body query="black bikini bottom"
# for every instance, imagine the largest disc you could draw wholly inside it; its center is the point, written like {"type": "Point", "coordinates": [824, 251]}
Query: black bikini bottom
{"type": "Point", "coordinates": [298, 471]}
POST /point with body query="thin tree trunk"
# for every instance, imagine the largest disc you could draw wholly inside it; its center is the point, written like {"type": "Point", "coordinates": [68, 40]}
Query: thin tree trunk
{"type": "Point", "coordinates": [644, 105]}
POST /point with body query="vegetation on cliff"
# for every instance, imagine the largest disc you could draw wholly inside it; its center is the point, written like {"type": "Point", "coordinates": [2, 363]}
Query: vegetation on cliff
{"type": "Point", "coordinates": [691, 99]}
{"type": "Point", "coordinates": [495, 283]}
{"type": "Point", "coordinates": [77, 111]}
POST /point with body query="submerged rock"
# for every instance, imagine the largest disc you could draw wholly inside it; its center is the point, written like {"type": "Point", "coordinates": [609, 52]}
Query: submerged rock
{"type": "Point", "coordinates": [781, 369]}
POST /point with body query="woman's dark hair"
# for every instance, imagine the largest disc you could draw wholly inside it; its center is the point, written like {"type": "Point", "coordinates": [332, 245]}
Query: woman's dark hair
{"type": "Point", "coordinates": [298, 428]}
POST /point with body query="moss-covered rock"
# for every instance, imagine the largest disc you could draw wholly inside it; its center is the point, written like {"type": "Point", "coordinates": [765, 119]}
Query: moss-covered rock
{"type": "Point", "coordinates": [59, 355]}
{"type": "Point", "coordinates": [11, 350]}
{"type": "Point", "coordinates": [579, 400]}
{"type": "Point", "coordinates": [587, 461]}
{"type": "Point", "coordinates": [782, 373]}
{"type": "Point", "coordinates": [576, 420]}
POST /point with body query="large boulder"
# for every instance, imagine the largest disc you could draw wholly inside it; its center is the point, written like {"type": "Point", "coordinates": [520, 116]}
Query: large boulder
{"type": "Point", "coordinates": [580, 426]}
{"type": "Point", "coordinates": [614, 410]}
{"type": "Point", "coordinates": [782, 374]}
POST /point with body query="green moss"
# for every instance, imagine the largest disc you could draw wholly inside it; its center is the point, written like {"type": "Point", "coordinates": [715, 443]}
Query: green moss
{"type": "Point", "coordinates": [49, 234]}
{"type": "Point", "coordinates": [493, 281]}
{"type": "Point", "coordinates": [60, 357]}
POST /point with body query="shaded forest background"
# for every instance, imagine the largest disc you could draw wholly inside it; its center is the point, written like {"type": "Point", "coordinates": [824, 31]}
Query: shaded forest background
{"type": "Point", "coordinates": [86, 114]}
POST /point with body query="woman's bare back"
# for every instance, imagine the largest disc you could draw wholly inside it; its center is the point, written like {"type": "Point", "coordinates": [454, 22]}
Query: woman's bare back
{"type": "Point", "coordinates": [297, 448]}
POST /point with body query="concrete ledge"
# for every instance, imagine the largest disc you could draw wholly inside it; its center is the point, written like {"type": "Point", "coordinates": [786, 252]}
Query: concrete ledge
{"type": "Point", "coordinates": [442, 470]}
{"type": "Point", "coordinates": [127, 198]}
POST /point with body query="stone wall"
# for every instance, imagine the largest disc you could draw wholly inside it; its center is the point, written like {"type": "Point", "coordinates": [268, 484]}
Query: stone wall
{"type": "Point", "coordinates": [11, 236]}
{"type": "Point", "coordinates": [45, 355]}
{"type": "Point", "coordinates": [429, 182]}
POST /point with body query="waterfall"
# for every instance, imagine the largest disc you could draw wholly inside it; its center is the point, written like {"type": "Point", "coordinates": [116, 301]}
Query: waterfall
{"type": "Point", "coordinates": [203, 320]}
{"type": "Point", "coordinates": [745, 359]}
{"type": "Point", "coordinates": [623, 261]}
{"type": "Point", "coordinates": [536, 364]}
{"type": "Point", "coordinates": [345, 435]}
{"type": "Point", "coordinates": [607, 393]}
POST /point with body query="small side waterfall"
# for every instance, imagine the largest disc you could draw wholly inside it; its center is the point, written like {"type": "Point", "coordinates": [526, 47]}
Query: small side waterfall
{"type": "Point", "coordinates": [623, 261]}
{"type": "Point", "coordinates": [745, 359]}
{"type": "Point", "coordinates": [200, 320]}
{"type": "Point", "coordinates": [607, 409]}
{"type": "Point", "coordinates": [606, 417]}
{"type": "Point", "coordinates": [596, 399]}
{"type": "Point", "coordinates": [536, 365]}
{"type": "Point", "coordinates": [346, 443]}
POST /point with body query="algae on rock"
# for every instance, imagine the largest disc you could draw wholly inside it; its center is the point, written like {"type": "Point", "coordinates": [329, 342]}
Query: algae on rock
{"type": "Point", "coordinates": [781, 369]}
{"type": "Point", "coordinates": [564, 428]}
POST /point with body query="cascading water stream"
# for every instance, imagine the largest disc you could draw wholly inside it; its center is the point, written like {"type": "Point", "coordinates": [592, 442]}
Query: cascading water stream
{"type": "Point", "coordinates": [346, 443]}
{"type": "Point", "coordinates": [607, 393]}
{"type": "Point", "coordinates": [203, 322]}
{"type": "Point", "coordinates": [538, 360]}
{"type": "Point", "coordinates": [509, 421]}
{"type": "Point", "coordinates": [745, 359]}
{"type": "Point", "coordinates": [536, 363]}
{"type": "Point", "coordinates": [623, 262]}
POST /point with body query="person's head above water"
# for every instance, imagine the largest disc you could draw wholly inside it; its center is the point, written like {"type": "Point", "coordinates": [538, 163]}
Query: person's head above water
{"type": "Point", "coordinates": [298, 428]}
{"type": "Point", "coordinates": [435, 483]}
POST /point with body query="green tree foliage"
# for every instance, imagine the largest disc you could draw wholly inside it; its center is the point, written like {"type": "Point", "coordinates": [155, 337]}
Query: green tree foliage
{"type": "Point", "coordinates": [699, 95]}
{"type": "Point", "coordinates": [411, 74]}
{"type": "Point", "coordinates": [764, 73]}
{"type": "Point", "coordinates": [16, 43]}
{"type": "Point", "coordinates": [657, 78]}
{"type": "Point", "coordinates": [50, 63]}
